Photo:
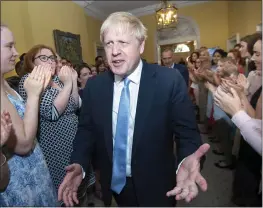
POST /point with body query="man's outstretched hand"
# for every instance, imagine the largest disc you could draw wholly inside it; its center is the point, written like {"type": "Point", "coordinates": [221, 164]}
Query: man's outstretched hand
{"type": "Point", "coordinates": [189, 176]}
{"type": "Point", "coordinates": [68, 188]}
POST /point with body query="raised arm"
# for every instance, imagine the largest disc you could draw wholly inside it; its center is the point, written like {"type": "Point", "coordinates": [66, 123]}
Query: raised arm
{"type": "Point", "coordinates": [52, 105]}
{"type": "Point", "coordinates": [62, 99]}
{"type": "Point", "coordinates": [251, 129]}
{"type": "Point", "coordinates": [75, 89]}
{"type": "Point", "coordinates": [24, 131]}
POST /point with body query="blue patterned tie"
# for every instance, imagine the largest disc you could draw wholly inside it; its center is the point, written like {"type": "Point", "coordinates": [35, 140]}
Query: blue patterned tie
{"type": "Point", "coordinates": [121, 136]}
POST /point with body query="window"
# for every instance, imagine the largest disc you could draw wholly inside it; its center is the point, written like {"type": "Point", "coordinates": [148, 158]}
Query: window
{"type": "Point", "coordinates": [181, 48]}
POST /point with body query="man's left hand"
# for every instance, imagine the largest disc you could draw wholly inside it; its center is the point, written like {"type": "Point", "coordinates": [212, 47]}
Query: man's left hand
{"type": "Point", "coordinates": [189, 176]}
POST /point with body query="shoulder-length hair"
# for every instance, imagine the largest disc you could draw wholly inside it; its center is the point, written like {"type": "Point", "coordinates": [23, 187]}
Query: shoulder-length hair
{"type": "Point", "coordinates": [29, 65]}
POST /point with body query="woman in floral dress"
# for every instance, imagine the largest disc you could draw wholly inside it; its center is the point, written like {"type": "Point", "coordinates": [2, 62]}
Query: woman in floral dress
{"type": "Point", "coordinates": [30, 183]}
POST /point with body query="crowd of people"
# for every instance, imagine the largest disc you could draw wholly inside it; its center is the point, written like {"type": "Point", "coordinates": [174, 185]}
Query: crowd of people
{"type": "Point", "coordinates": [41, 107]}
{"type": "Point", "coordinates": [226, 88]}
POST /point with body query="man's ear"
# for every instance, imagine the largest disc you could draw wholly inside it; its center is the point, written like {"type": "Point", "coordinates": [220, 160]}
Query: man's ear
{"type": "Point", "coordinates": [142, 47]}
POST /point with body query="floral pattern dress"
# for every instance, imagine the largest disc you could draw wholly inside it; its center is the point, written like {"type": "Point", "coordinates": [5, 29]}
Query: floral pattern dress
{"type": "Point", "coordinates": [30, 182]}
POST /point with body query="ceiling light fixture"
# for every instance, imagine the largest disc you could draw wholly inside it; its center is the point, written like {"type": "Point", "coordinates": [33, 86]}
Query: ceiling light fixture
{"type": "Point", "coordinates": [166, 16]}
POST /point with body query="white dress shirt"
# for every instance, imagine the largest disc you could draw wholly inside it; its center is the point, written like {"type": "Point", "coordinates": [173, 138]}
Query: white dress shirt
{"type": "Point", "coordinates": [250, 129]}
{"type": "Point", "coordinates": [134, 85]}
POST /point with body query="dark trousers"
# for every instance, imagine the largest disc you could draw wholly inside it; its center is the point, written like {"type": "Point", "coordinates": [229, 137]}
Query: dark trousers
{"type": "Point", "coordinates": [224, 133]}
{"type": "Point", "coordinates": [127, 197]}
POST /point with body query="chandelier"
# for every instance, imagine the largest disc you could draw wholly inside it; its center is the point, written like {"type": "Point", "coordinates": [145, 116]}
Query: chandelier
{"type": "Point", "coordinates": [166, 16]}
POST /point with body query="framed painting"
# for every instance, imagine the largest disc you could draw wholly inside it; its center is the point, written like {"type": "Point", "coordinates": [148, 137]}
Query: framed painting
{"type": "Point", "coordinates": [68, 46]}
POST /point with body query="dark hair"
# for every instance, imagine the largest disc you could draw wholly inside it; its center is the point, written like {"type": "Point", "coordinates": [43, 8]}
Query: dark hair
{"type": "Point", "coordinates": [221, 52]}
{"type": "Point", "coordinates": [19, 65]}
{"type": "Point", "coordinates": [97, 58]}
{"type": "Point", "coordinates": [98, 64]}
{"type": "Point", "coordinates": [237, 45]}
{"type": "Point", "coordinates": [251, 40]}
{"type": "Point", "coordinates": [79, 67]}
{"type": "Point", "coordinates": [190, 58]}
{"type": "Point", "coordinates": [203, 48]}
{"type": "Point", "coordinates": [22, 57]}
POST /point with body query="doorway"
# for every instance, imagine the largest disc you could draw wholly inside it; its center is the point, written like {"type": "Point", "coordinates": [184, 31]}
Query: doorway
{"type": "Point", "coordinates": [231, 42]}
{"type": "Point", "coordinates": [186, 32]}
{"type": "Point", "coordinates": [180, 50]}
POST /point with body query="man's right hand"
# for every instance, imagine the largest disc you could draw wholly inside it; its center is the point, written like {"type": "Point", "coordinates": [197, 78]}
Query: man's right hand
{"type": "Point", "coordinates": [68, 188]}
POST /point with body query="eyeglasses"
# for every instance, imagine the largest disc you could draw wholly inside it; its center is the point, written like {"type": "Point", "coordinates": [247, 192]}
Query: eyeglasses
{"type": "Point", "coordinates": [45, 58]}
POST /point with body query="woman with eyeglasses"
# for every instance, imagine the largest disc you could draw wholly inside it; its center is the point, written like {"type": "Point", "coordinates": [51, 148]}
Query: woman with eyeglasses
{"type": "Point", "coordinates": [58, 106]}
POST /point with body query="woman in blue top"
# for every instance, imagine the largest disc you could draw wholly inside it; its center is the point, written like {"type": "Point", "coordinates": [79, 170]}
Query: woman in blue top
{"type": "Point", "coordinates": [30, 183]}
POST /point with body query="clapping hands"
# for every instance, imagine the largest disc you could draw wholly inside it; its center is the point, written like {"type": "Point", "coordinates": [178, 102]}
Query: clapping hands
{"type": "Point", "coordinates": [65, 75]}
{"type": "Point", "coordinates": [38, 80]}
{"type": "Point", "coordinates": [6, 126]}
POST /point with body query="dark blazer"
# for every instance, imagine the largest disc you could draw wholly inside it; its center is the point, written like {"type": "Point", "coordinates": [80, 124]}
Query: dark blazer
{"type": "Point", "coordinates": [184, 72]}
{"type": "Point", "coordinates": [163, 109]}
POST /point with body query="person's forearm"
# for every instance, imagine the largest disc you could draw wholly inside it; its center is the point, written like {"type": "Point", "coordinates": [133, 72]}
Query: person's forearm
{"type": "Point", "coordinates": [31, 121]}
{"type": "Point", "coordinates": [250, 129]}
{"type": "Point", "coordinates": [25, 130]}
{"type": "Point", "coordinates": [249, 109]}
{"type": "Point", "coordinates": [75, 92]}
{"type": "Point", "coordinates": [61, 101]}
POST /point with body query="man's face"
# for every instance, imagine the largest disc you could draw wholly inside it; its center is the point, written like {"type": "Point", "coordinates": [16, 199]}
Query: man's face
{"type": "Point", "coordinates": [167, 58]}
{"type": "Point", "coordinates": [123, 51]}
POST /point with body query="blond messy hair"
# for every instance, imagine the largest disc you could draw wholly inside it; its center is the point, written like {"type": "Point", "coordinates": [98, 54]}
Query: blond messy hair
{"type": "Point", "coordinates": [124, 22]}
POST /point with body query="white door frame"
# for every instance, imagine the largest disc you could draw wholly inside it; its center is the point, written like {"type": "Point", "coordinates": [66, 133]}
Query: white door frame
{"type": "Point", "coordinates": [236, 38]}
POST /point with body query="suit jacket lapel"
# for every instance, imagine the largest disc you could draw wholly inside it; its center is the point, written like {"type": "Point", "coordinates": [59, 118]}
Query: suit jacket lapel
{"type": "Point", "coordinates": [108, 103]}
{"type": "Point", "coordinates": [144, 102]}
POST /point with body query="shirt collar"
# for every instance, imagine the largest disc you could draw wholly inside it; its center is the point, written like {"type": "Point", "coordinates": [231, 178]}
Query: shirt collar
{"type": "Point", "coordinates": [135, 76]}
{"type": "Point", "coordinates": [172, 66]}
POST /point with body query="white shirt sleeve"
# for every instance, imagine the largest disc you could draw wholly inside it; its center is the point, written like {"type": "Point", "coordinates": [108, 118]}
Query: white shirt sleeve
{"type": "Point", "coordinates": [80, 102]}
{"type": "Point", "coordinates": [179, 165]}
{"type": "Point", "coordinates": [250, 129]}
{"type": "Point", "coordinates": [83, 173]}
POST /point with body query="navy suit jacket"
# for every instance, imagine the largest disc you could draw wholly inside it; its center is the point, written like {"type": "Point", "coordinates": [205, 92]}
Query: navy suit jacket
{"type": "Point", "coordinates": [163, 109]}
{"type": "Point", "coordinates": [184, 72]}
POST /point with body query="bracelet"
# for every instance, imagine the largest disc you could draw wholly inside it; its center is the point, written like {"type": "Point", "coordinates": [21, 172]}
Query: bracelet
{"type": "Point", "coordinates": [4, 160]}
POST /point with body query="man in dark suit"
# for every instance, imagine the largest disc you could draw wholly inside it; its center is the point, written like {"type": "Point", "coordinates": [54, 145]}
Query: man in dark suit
{"type": "Point", "coordinates": [167, 59]}
{"type": "Point", "coordinates": [128, 119]}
